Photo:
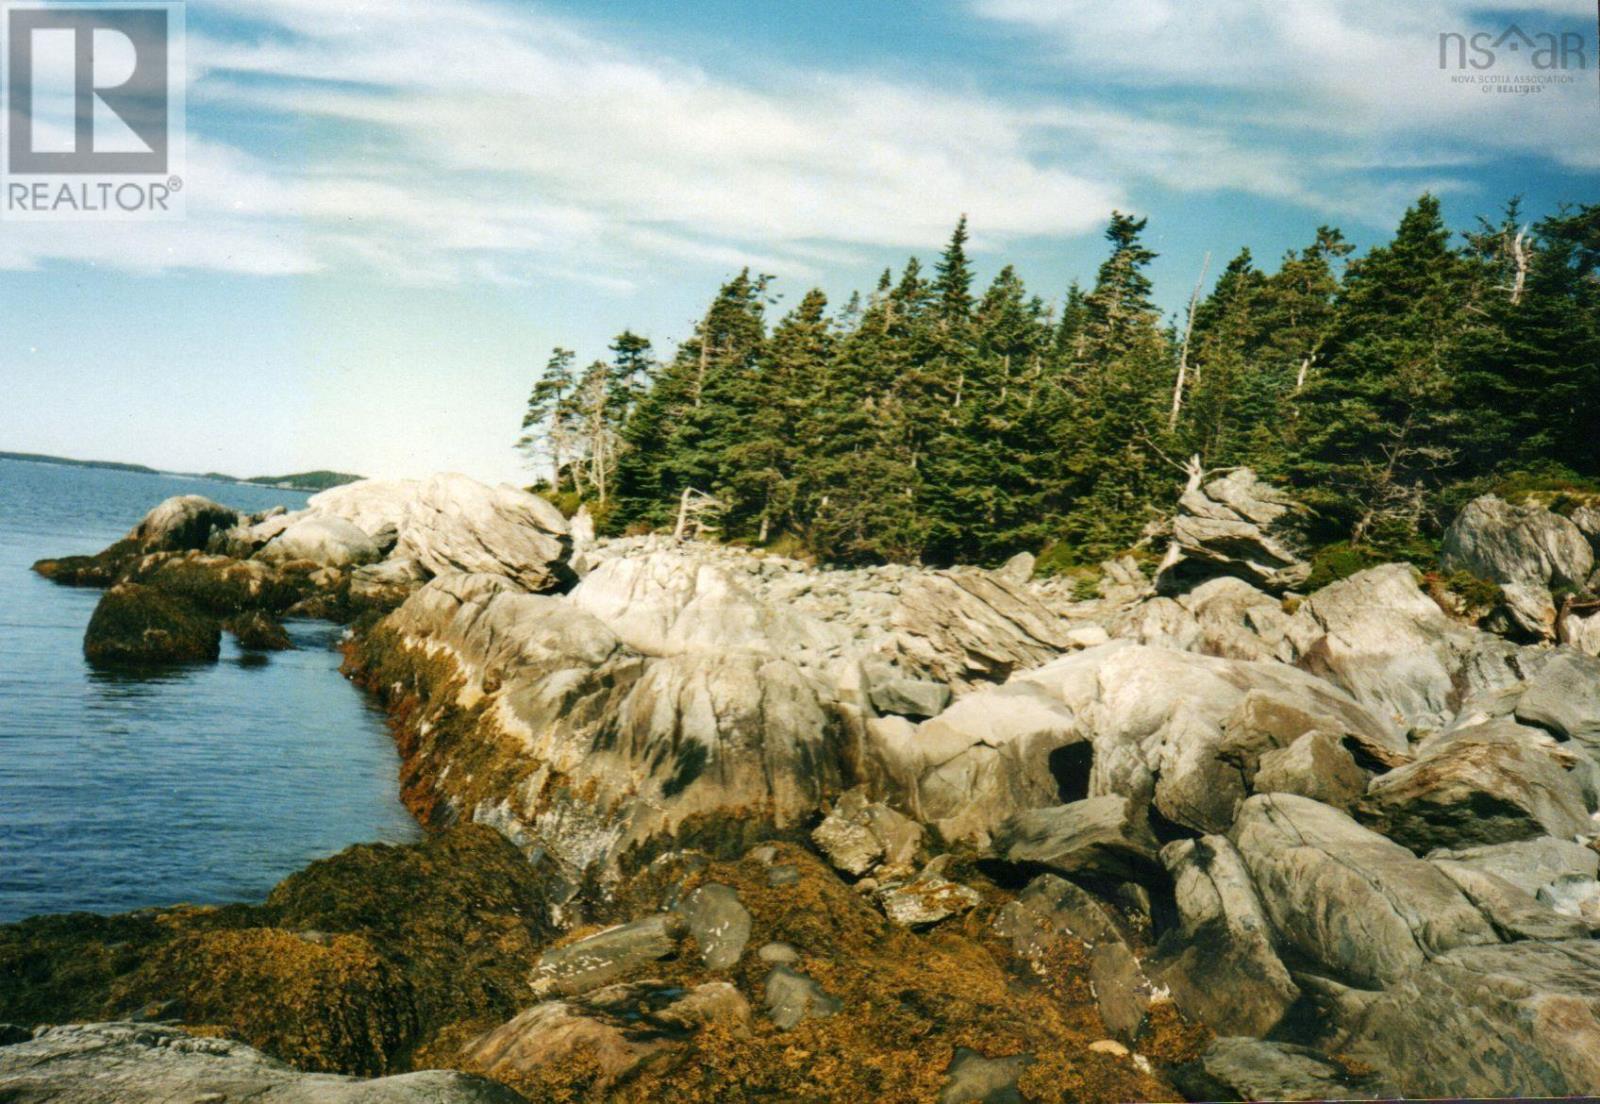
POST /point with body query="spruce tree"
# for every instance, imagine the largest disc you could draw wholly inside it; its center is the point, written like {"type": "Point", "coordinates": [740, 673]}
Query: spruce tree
{"type": "Point", "coordinates": [1380, 420]}
{"type": "Point", "coordinates": [547, 431]}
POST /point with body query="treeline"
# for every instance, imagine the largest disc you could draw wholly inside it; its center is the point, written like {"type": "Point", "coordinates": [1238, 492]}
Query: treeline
{"type": "Point", "coordinates": [930, 420]}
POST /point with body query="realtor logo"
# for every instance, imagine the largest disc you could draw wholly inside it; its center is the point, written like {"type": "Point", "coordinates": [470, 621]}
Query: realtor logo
{"type": "Point", "coordinates": [93, 109]}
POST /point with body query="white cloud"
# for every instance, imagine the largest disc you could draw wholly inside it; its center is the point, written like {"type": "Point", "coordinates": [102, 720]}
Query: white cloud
{"type": "Point", "coordinates": [1306, 84]}
{"type": "Point", "coordinates": [482, 141]}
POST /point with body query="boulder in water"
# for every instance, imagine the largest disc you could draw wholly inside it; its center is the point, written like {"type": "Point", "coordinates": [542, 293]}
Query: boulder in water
{"type": "Point", "coordinates": [137, 625]}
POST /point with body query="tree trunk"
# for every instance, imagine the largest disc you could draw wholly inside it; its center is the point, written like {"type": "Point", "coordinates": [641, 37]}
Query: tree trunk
{"type": "Point", "coordinates": [1183, 355]}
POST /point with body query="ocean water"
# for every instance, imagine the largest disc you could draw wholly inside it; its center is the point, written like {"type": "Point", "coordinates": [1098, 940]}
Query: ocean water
{"type": "Point", "coordinates": [201, 784]}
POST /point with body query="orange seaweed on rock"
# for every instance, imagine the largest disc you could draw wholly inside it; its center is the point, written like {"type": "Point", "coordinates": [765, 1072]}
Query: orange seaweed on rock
{"type": "Point", "coordinates": [350, 966]}
{"type": "Point", "coordinates": [908, 1002]}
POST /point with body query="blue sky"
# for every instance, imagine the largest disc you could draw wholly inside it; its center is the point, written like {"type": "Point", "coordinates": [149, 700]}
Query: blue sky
{"type": "Point", "coordinates": [396, 208]}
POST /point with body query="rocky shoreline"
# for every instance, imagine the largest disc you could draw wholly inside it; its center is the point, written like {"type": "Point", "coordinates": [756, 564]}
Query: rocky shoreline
{"type": "Point", "coordinates": [762, 830]}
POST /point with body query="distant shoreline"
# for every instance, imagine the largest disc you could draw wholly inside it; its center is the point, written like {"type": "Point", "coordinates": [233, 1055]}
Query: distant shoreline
{"type": "Point", "coordinates": [297, 481]}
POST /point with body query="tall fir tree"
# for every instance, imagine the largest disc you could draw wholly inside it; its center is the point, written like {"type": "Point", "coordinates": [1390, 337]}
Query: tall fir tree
{"type": "Point", "coordinates": [1380, 417]}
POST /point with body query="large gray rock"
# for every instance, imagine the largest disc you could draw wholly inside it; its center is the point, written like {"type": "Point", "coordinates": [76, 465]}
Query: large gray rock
{"type": "Point", "coordinates": [1564, 698]}
{"type": "Point", "coordinates": [1379, 637]}
{"type": "Point", "coordinates": [128, 1063]}
{"type": "Point", "coordinates": [1509, 544]}
{"type": "Point", "coordinates": [1362, 908]}
{"type": "Point", "coordinates": [1318, 766]}
{"type": "Point", "coordinates": [1219, 962]}
{"type": "Point", "coordinates": [906, 697]}
{"type": "Point", "coordinates": [1520, 1019]}
{"type": "Point", "coordinates": [1108, 836]}
{"type": "Point", "coordinates": [1235, 620]}
{"type": "Point", "coordinates": [326, 541]}
{"type": "Point", "coordinates": [1491, 783]}
{"type": "Point", "coordinates": [456, 524]}
{"type": "Point", "coordinates": [377, 507]}
{"type": "Point", "coordinates": [991, 754]}
{"type": "Point", "coordinates": [1231, 526]}
{"type": "Point", "coordinates": [182, 523]}
{"type": "Point", "coordinates": [1254, 1069]}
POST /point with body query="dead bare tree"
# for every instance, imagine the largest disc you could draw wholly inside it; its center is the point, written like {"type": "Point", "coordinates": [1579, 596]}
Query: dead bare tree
{"type": "Point", "coordinates": [1183, 354]}
{"type": "Point", "coordinates": [698, 513]}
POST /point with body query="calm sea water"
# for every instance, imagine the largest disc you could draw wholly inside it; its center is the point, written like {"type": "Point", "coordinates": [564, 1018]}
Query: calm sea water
{"type": "Point", "coordinates": [200, 784]}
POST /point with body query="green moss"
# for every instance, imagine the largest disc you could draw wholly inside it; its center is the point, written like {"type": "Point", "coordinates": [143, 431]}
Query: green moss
{"type": "Point", "coordinates": [1475, 593]}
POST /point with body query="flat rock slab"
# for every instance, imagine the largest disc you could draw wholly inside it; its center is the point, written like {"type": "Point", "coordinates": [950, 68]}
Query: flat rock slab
{"type": "Point", "coordinates": [1518, 1019]}
{"type": "Point", "coordinates": [1254, 1069]}
{"type": "Point", "coordinates": [1528, 864]}
{"type": "Point", "coordinates": [606, 956]}
{"type": "Point", "coordinates": [1100, 835]}
{"type": "Point", "coordinates": [124, 1063]}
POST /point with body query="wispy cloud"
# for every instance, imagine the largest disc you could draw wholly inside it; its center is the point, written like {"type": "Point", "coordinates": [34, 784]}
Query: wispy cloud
{"type": "Point", "coordinates": [481, 138]}
{"type": "Point", "coordinates": [439, 141]}
{"type": "Point", "coordinates": [1300, 86]}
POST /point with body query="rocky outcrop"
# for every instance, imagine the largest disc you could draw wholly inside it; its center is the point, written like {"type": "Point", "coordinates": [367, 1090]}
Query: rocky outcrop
{"type": "Point", "coordinates": [1508, 544]}
{"type": "Point", "coordinates": [1529, 551]}
{"type": "Point", "coordinates": [456, 524]}
{"type": "Point", "coordinates": [1231, 525]}
{"type": "Point", "coordinates": [136, 625]}
{"type": "Point", "coordinates": [1364, 909]}
{"type": "Point", "coordinates": [1520, 1019]}
{"type": "Point", "coordinates": [1365, 803]}
{"type": "Point", "coordinates": [135, 1063]}
{"type": "Point", "coordinates": [181, 524]}
{"type": "Point", "coordinates": [1490, 783]}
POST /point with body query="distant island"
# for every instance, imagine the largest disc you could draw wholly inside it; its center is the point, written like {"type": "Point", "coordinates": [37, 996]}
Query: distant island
{"type": "Point", "coordinates": [298, 481]}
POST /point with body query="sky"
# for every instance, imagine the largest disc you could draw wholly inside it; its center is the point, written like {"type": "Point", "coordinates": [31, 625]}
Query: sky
{"type": "Point", "coordinates": [395, 209]}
